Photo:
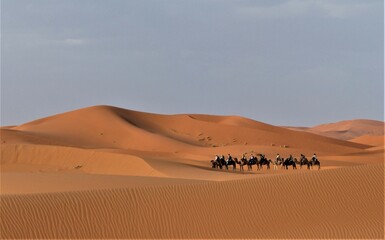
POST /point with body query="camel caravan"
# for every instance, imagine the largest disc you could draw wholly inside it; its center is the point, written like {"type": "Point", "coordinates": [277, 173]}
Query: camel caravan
{"type": "Point", "coordinates": [260, 160]}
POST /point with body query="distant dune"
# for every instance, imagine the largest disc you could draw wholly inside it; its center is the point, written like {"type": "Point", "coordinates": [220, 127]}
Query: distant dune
{"type": "Point", "coordinates": [107, 172]}
{"type": "Point", "coordinates": [377, 141]}
{"type": "Point", "coordinates": [346, 130]}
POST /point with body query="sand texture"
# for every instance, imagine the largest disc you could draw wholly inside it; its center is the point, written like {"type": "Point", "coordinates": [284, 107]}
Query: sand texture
{"type": "Point", "coordinates": [107, 172]}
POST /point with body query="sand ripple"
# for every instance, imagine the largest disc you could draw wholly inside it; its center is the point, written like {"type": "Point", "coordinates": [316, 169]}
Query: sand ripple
{"type": "Point", "coordinates": [337, 203]}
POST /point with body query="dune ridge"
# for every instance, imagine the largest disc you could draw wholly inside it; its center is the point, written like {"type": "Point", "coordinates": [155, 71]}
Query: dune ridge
{"type": "Point", "coordinates": [271, 207]}
{"type": "Point", "coordinates": [116, 128]}
{"type": "Point", "coordinates": [346, 130]}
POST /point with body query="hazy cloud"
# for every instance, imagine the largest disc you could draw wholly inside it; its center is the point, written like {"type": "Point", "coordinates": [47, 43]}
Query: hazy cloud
{"type": "Point", "coordinates": [74, 41]}
{"type": "Point", "coordinates": [295, 8]}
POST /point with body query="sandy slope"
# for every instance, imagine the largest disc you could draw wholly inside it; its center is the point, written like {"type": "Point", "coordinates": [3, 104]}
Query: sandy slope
{"type": "Point", "coordinates": [67, 158]}
{"type": "Point", "coordinates": [43, 182]}
{"type": "Point", "coordinates": [306, 205]}
{"type": "Point", "coordinates": [106, 172]}
{"type": "Point", "coordinates": [347, 130]}
{"type": "Point", "coordinates": [110, 127]}
{"type": "Point", "coordinates": [377, 141]}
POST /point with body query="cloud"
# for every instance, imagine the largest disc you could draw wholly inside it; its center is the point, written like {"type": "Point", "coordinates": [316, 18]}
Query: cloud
{"type": "Point", "coordinates": [74, 41]}
{"type": "Point", "coordinates": [342, 10]}
{"type": "Point", "coordinates": [294, 8]}
{"type": "Point", "coordinates": [284, 9]}
{"type": "Point", "coordinates": [37, 40]}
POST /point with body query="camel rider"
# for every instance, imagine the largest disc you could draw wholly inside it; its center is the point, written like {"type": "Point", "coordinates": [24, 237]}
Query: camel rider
{"type": "Point", "coordinates": [278, 157]}
{"type": "Point", "coordinates": [314, 158]}
{"type": "Point", "coordinates": [252, 159]}
{"type": "Point", "coordinates": [216, 158]}
{"type": "Point", "coordinates": [229, 158]}
{"type": "Point", "coordinates": [291, 158]}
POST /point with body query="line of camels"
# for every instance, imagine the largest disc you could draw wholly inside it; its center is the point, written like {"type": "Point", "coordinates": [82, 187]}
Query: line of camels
{"type": "Point", "coordinates": [260, 160]}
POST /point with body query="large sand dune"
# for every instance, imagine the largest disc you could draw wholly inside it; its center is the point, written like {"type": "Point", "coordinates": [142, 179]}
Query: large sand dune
{"type": "Point", "coordinates": [107, 172]}
{"type": "Point", "coordinates": [115, 128]}
{"type": "Point", "coordinates": [347, 130]}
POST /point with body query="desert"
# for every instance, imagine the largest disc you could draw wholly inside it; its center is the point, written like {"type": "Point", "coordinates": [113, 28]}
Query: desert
{"type": "Point", "coordinates": [199, 119]}
{"type": "Point", "coordinates": [108, 172]}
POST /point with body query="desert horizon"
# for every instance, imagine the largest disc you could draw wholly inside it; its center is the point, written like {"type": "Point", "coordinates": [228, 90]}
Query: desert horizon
{"type": "Point", "coordinates": [231, 119]}
{"type": "Point", "coordinates": [139, 169]}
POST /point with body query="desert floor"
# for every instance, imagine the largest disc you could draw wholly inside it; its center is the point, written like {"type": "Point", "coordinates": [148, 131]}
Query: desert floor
{"type": "Point", "coordinates": [106, 172]}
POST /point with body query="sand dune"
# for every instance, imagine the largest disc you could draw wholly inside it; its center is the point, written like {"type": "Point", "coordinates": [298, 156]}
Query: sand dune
{"type": "Point", "coordinates": [107, 172]}
{"type": "Point", "coordinates": [346, 130]}
{"type": "Point", "coordinates": [370, 140]}
{"type": "Point", "coordinates": [306, 205]}
{"type": "Point", "coordinates": [110, 127]}
{"type": "Point", "coordinates": [58, 158]}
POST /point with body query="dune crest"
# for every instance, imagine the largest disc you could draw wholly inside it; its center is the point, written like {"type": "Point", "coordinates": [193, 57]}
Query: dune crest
{"type": "Point", "coordinates": [111, 127]}
{"type": "Point", "coordinates": [347, 130]}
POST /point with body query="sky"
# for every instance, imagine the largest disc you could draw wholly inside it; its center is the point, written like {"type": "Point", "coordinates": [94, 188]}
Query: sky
{"type": "Point", "coordinates": [283, 62]}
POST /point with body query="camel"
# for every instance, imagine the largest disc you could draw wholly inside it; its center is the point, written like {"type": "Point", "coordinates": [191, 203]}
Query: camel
{"type": "Point", "coordinates": [241, 163]}
{"type": "Point", "coordinates": [289, 162]}
{"type": "Point", "coordinates": [262, 161]}
{"type": "Point", "coordinates": [231, 162]}
{"type": "Point", "coordinates": [218, 163]}
{"type": "Point", "coordinates": [314, 162]}
{"type": "Point", "coordinates": [277, 162]}
{"type": "Point", "coordinates": [251, 162]}
{"type": "Point", "coordinates": [214, 163]}
{"type": "Point", "coordinates": [304, 161]}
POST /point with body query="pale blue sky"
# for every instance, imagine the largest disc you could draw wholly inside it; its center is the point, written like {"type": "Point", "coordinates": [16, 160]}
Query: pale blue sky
{"type": "Point", "coordinates": [287, 62]}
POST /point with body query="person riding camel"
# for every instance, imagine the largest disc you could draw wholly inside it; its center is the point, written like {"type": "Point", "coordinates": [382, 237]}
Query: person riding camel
{"type": "Point", "coordinates": [314, 158]}
{"type": "Point", "coordinates": [252, 159]}
{"type": "Point", "coordinates": [303, 158]}
{"type": "Point", "coordinates": [216, 158]}
{"type": "Point", "coordinates": [229, 158]}
{"type": "Point", "coordinates": [291, 158]}
{"type": "Point", "coordinates": [278, 157]}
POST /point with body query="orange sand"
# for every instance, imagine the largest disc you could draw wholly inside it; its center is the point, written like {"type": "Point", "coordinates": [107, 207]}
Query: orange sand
{"type": "Point", "coordinates": [106, 172]}
{"type": "Point", "coordinates": [347, 130]}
